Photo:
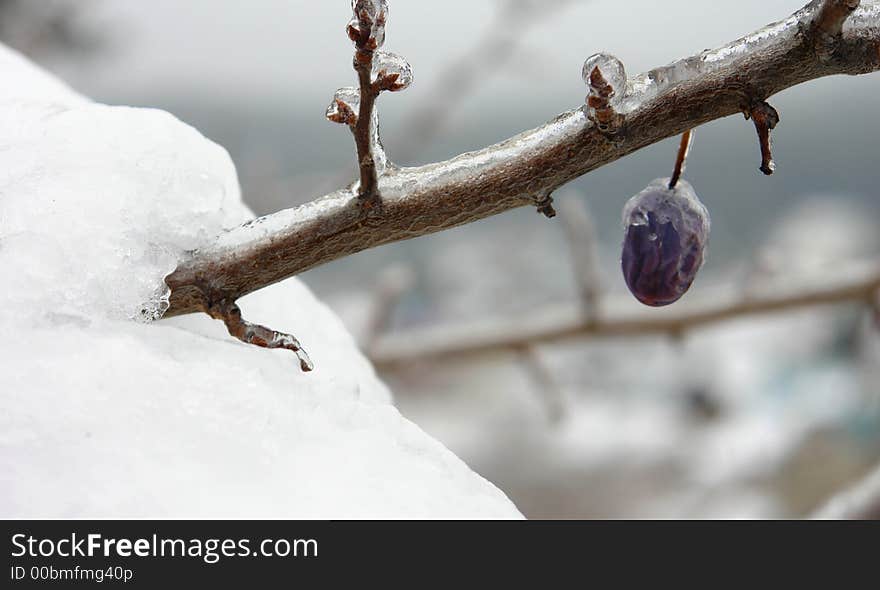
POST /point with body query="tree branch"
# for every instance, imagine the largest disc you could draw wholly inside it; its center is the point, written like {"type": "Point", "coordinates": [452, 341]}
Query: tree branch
{"type": "Point", "coordinates": [527, 168]}
{"type": "Point", "coordinates": [857, 284]}
{"type": "Point", "coordinates": [367, 31]}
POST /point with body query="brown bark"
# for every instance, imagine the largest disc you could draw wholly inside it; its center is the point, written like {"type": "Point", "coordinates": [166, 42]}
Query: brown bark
{"type": "Point", "coordinates": [527, 168]}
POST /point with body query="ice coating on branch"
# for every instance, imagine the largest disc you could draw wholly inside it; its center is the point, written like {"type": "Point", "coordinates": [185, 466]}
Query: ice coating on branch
{"type": "Point", "coordinates": [379, 156]}
{"type": "Point", "coordinates": [866, 16]}
{"type": "Point", "coordinates": [345, 106]}
{"type": "Point", "coordinates": [665, 239]}
{"type": "Point", "coordinates": [647, 85]}
{"type": "Point", "coordinates": [611, 71]}
{"type": "Point", "coordinates": [392, 71]}
{"type": "Point", "coordinates": [367, 26]}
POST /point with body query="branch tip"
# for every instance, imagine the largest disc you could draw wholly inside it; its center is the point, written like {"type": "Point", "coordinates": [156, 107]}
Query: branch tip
{"type": "Point", "coordinates": [544, 205]}
{"type": "Point", "coordinates": [342, 109]}
{"type": "Point", "coordinates": [601, 112]}
{"type": "Point", "coordinates": [230, 314]}
{"type": "Point", "coordinates": [765, 119]}
{"type": "Point", "coordinates": [605, 78]}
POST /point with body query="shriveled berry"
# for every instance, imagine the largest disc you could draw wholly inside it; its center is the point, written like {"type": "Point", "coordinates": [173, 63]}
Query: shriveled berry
{"type": "Point", "coordinates": [665, 239]}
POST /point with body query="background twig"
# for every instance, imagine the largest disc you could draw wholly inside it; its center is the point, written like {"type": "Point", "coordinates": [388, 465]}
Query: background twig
{"type": "Point", "coordinates": [855, 284]}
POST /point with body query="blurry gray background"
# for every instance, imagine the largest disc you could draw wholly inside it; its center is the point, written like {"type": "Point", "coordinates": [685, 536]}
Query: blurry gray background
{"type": "Point", "coordinates": [759, 417]}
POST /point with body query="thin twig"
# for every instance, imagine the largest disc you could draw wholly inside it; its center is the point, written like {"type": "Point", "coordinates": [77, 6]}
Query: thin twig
{"type": "Point", "coordinates": [419, 201]}
{"type": "Point", "coordinates": [230, 314]}
{"type": "Point", "coordinates": [366, 44]}
{"type": "Point", "coordinates": [367, 191]}
{"type": "Point", "coordinates": [684, 147]}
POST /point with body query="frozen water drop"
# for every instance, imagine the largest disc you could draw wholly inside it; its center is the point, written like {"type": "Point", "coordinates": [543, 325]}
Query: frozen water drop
{"type": "Point", "coordinates": [345, 106]}
{"type": "Point", "coordinates": [386, 65]}
{"type": "Point", "coordinates": [602, 66]}
{"type": "Point", "coordinates": [353, 29]}
{"type": "Point", "coordinates": [372, 14]}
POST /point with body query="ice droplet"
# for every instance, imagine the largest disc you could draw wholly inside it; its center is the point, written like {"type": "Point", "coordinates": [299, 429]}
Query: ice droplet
{"type": "Point", "coordinates": [387, 64]}
{"type": "Point", "coordinates": [611, 70]}
{"type": "Point", "coordinates": [370, 13]}
{"type": "Point", "coordinates": [345, 106]}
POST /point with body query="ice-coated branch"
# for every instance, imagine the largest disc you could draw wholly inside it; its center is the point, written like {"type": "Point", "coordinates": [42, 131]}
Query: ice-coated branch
{"type": "Point", "coordinates": [230, 314]}
{"type": "Point", "coordinates": [367, 31]}
{"type": "Point", "coordinates": [377, 71]}
{"type": "Point", "coordinates": [527, 168]}
{"type": "Point", "coordinates": [857, 283]}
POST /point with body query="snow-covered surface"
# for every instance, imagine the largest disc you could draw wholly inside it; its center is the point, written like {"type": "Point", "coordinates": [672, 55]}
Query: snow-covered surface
{"type": "Point", "coordinates": [103, 415]}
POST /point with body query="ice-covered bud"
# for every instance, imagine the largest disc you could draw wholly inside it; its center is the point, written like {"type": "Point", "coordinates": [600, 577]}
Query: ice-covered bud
{"type": "Point", "coordinates": [665, 239]}
{"type": "Point", "coordinates": [606, 78]}
{"type": "Point", "coordinates": [367, 26]}
{"type": "Point", "coordinates": [345, 106]}
{"type": "Point", "coordinates": [391, 71]}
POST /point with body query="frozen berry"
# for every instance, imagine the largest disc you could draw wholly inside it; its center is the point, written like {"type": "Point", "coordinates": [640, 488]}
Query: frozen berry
{"type": "Point", "coordinates": [666, 234]}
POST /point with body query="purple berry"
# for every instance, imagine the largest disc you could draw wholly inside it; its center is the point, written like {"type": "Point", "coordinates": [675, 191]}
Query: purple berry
{"type": "Point", "coordinates": [666, 233]}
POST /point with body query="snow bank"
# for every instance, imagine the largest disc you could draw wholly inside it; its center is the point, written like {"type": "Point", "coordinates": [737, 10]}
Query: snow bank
{"type": "Point", "coordinates": [105, 416]}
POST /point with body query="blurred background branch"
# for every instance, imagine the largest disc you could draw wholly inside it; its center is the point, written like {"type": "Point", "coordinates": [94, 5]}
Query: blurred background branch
{"type": "Point", "coordinates": [852, 283]}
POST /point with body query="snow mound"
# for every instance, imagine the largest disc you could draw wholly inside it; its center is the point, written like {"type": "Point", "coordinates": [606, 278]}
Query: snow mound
{"type": "Point", "coordinates": [103, 416]}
